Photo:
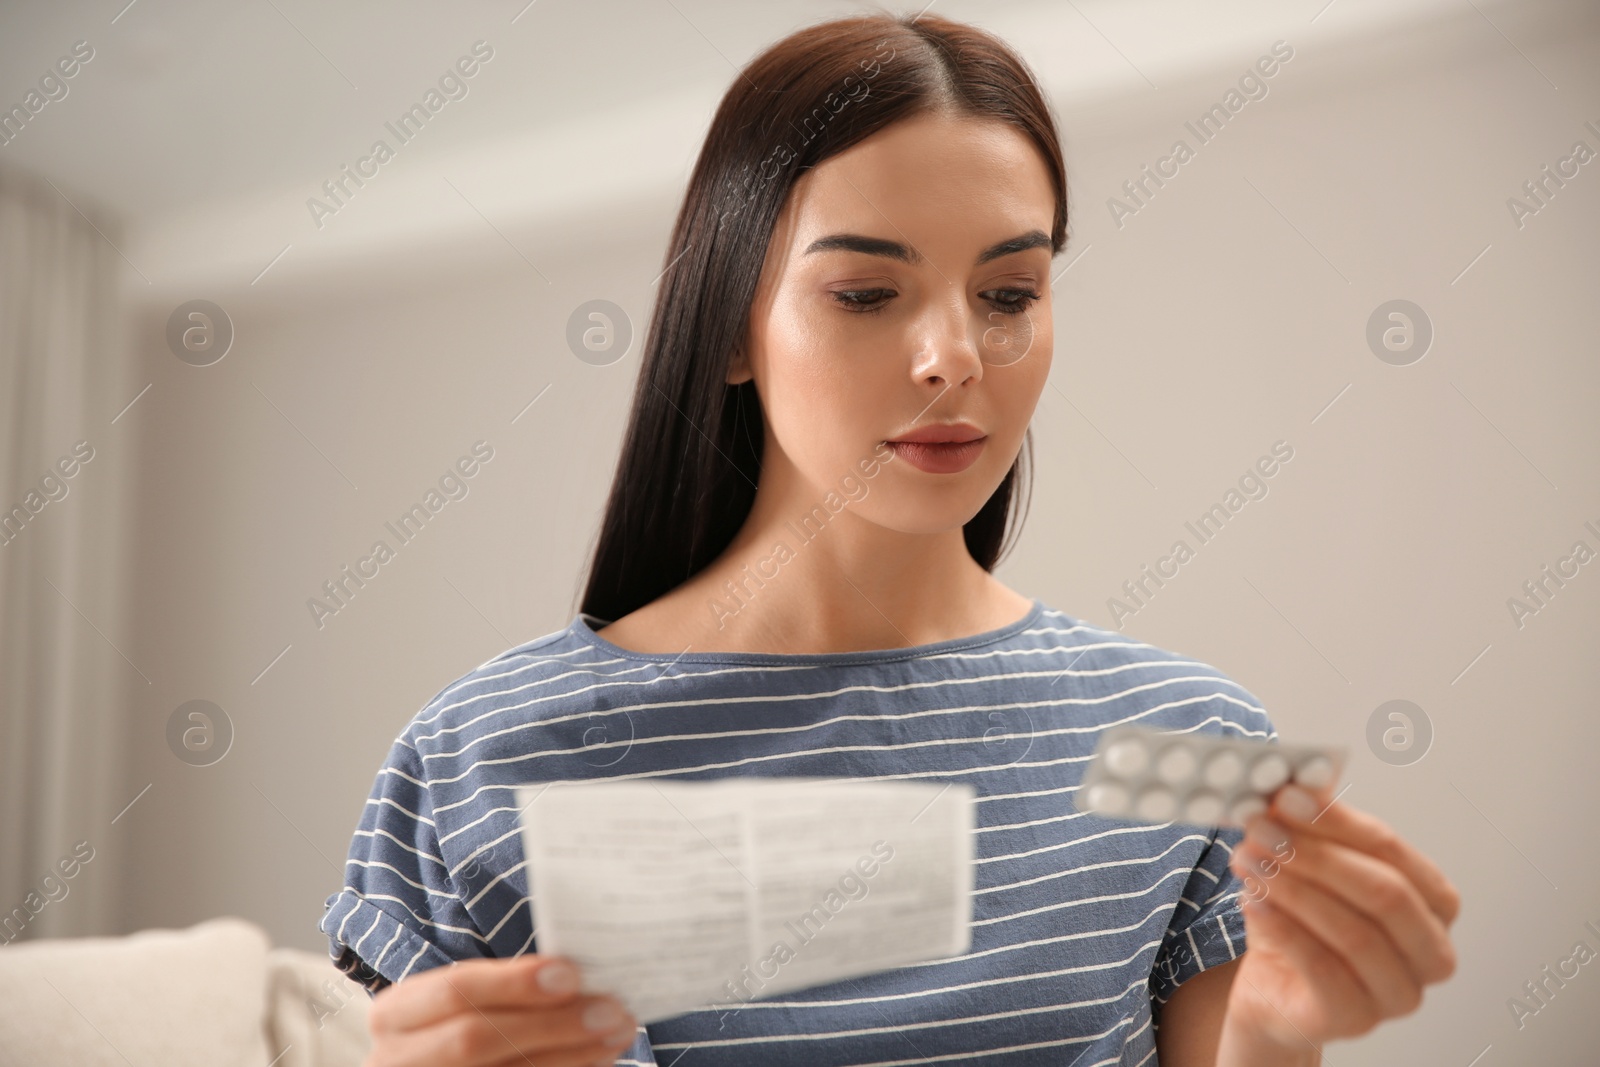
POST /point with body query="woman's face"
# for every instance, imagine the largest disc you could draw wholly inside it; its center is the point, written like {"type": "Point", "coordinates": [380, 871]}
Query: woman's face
{"type": "Point", "coordinates": [934, 310]}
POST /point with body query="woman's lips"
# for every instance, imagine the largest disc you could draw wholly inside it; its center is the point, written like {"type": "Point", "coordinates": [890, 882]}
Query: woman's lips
{"type": "Point", "coordinates": [939, 458]}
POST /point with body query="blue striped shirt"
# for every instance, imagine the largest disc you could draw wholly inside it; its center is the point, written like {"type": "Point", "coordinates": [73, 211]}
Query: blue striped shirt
{"type": "Point", "coordinates": [1082, 926]}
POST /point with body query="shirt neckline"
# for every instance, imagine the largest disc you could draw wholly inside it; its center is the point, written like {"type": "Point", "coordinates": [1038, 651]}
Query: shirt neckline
{"type": "Point", "coordinates": [583, 627]}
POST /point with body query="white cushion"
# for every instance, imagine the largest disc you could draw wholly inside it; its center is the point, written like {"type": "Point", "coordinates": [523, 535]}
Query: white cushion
{"type": "Point", "coordinates": [170, 997]}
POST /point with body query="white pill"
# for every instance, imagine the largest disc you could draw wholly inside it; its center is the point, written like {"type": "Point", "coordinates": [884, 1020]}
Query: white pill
{"type": "Point", "coordinates": [1315, 773]}
{"type": "Point", "coordinates": [1223, 769]}
{"type": "Point", "coordinates": [1127, 758]}
{"type": "Point", "coordinates": [1176, 764]}
{"type": "Point", "coordinates": [1269, 772]}
{"type": "Point", "coordinates": [1156, 804]}
{"type": "Point", "coordinates": [1108, 798]}
{"type": "Point", "coordinates": [1245, 807]}
{"type": "Point", "coordinates": [1204, 808]}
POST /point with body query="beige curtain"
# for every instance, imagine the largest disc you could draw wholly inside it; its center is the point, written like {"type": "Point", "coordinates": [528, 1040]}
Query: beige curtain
{"type": "Point", "coordinates": [64, 686]}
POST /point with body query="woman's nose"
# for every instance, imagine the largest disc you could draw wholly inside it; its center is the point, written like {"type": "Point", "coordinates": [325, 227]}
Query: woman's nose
{"type": "Point", "coordinates": [960, 342]}
{"type": "Point", "coordinates": [950, 351]}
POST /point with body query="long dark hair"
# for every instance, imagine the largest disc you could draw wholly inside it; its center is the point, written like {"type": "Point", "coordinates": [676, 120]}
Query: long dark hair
{"type": "Point", "coordinates": [691, 459]}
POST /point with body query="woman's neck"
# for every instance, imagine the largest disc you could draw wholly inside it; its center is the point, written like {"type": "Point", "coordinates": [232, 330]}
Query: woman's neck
{"type": "Point", "coordinates": [848, 585]}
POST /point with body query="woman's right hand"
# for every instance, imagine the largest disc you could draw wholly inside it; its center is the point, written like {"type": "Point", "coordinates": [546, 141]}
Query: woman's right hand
{"type": "Point", "coordinates": [484, 1012]}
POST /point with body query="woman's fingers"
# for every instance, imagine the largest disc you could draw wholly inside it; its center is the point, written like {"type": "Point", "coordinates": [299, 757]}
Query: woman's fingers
{"type": "Point", "coordinates": [491, 1011]}
{"type": "Point", "coordinates": [440, 993]}
{"type": "Point", "coordinates": [1295, 808]}
{"type": "Point", "coordinates": [1370, 886]}
{"type": "Point", "coordinates": [576, 1033]}
{"type": "Point", "coordinates": [1363, 944]}
{"type": "Point", "coordinates": [1335, 982]}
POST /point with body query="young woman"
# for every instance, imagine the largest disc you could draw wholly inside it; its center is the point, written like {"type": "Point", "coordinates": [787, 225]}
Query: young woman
{"type": "Point", "coordinates": [793, 577]}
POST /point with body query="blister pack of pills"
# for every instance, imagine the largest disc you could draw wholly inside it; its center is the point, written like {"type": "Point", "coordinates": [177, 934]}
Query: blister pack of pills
{"type": "Point", "coordinates": [1158, 776]}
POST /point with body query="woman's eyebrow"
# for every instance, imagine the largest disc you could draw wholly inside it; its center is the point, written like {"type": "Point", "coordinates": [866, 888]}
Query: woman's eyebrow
{"type": "Point", "coordinates": [879, 246]}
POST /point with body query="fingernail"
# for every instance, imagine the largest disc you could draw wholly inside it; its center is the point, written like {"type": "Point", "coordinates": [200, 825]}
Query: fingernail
{"type": "Point", "coordinates": [557, 978]}
{"type": "Point", "coordinates": [602, 1015]}
{"type": "Point", "coordinates": [1267, 833]}
{"type": "Point", "coordinates": [1297, 803]}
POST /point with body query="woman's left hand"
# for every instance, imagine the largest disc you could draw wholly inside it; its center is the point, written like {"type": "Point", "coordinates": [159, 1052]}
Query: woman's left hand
{"type": "Point", "coordinates": [1345, 923]}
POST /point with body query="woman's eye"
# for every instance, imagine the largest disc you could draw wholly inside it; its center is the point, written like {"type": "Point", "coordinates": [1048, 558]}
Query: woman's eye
{"type": "Point", "coordinates": [1012, 301]}
{"type": "Point", "coordinates": [862, 301]}
{"type": "Point", "coordinates": [866, 301]}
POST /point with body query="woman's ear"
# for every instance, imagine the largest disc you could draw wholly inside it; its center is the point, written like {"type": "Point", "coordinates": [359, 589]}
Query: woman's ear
{"type": "Point", "coordinates": [739, 367]}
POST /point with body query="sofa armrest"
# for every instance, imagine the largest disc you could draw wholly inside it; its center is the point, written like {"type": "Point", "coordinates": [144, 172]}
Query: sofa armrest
{"type": "Point", "coordinates": [316, 1017]}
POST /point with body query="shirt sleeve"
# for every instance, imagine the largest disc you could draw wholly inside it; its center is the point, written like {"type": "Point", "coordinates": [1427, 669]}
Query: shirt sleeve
{"type": "Point", "coordinates": [1207, 927]}
{"type": "Point", "coordinates": [400, 911]}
